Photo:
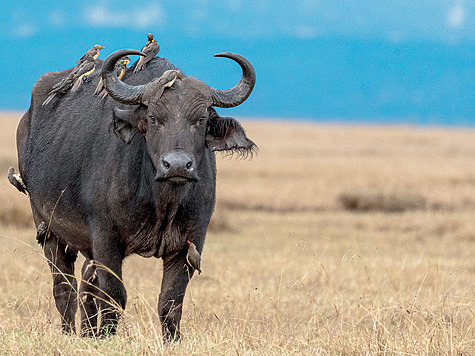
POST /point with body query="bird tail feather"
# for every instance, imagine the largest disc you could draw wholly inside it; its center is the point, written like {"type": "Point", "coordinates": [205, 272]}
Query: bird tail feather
{"type": "Point", "coordinates": [103, 94]}
{"type": "Point", "coordinates": [76, 84]}
{"type": "Point", "coordinates": [138, 66]}
{"type": "Point", "coordinates": [99, 87]}
{"type": "Point", "coordinates": [49, 98]}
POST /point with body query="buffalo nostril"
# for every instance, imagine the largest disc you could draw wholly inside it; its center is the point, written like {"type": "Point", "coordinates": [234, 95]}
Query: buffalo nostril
{"type": "Point", "coordinates": [189, 164]}
{"type": "Point", "coordinates": [165, 164]}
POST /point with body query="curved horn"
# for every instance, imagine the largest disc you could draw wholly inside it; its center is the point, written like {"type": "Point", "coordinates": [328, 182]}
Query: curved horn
{"type": "Point", "coordinates": [228, 98]}
{"type": "Point", "coordinates": [123, 93]}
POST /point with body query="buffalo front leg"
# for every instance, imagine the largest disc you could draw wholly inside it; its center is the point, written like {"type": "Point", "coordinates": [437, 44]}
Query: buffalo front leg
{"type": "Point", "coordinates": [176, 275]}
{"type": "Point", "coordinates": [61, 260]}
{"type": "Point", "coordinates": [111, 295]}
{"type": "Point", "coordinates": [88, 290]}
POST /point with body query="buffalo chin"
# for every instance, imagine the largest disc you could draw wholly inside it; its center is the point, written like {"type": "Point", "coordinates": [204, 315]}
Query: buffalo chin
{"type": "Point", "coordinates": [180, 180]}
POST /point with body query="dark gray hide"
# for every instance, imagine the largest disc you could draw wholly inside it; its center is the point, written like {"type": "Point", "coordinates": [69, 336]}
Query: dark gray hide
{"type": "Point", "coordinates": [108, 198]}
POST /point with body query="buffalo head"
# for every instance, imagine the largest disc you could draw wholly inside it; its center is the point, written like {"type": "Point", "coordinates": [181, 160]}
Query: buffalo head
{"type": "Point", "coordinates": [175, 115]}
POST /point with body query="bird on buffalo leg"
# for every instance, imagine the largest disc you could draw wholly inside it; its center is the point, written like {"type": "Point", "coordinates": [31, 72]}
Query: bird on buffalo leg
{"type": "Point", "coordinates": [61, 88]}
{"type": "Point", "coordinates": [150, 50]}
{"type": "Point", "coordinates": [120, 68]}
{"type": "Point", "coordinates": [16, 180]}
{"type": "Point", "coordinates": [193, 257]}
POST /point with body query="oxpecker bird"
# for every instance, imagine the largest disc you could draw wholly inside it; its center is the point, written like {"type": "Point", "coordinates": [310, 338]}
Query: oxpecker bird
{"type": "Point", "coordinates": [84, 71]}
{"type": "Point", "coordinates": [150, 50]}
{"type": "Point", "coordinates": [80, 71]}
{"type": "Point", "coordinates": [16, 181]}
{"type": "Point", "coordinates": [158, 86]}
{"type": "Point", "coordinates": [41, 232]}
{"type": "Point", "coordinates": [90, 55]}
{"type": "Point", "coordinates": [120, 68]}
{"type": "Point", "coordinates": [193, 257]}
{"type": "Point", "coordinates": [86, 65]}
{"type": "Point", "coordinates": [62, 87]}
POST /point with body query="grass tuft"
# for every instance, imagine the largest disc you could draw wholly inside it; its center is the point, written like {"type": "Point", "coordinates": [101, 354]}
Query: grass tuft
{"type": "Point", "coordinates": [379, 201]}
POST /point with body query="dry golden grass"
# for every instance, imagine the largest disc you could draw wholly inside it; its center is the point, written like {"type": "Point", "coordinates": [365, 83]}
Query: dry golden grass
{"type": "Point", "coordinates": [286, 269]}
{"type": "Point", "coordinates": [378, 201]}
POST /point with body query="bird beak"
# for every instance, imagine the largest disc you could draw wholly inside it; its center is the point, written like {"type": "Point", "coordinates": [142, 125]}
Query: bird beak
{"type": "Point", "coordinates": [101, 47]}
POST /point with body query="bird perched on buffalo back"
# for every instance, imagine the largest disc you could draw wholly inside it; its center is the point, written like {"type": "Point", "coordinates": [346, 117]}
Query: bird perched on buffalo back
{"type": "Point", "coordinates": [150, 50]}
{"type": "Point", "coordinates": [91, 54]}
{"type": "Point", "coordinates": [120, 68]}
{"type": "Point", "coordinates": [83, 66]}
{"type": "Point", "coordinates": [83, 72]}
{"type": "Point", "coordinates": [62, 87]}
{"type": "Point", "coordinates": [86, 65]}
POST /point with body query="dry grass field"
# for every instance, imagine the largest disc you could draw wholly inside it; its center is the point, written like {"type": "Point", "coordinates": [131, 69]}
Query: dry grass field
{"type": "Point", "coordinates": [287, 270]}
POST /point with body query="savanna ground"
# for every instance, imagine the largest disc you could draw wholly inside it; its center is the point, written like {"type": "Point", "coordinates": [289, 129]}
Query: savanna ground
{"type": "Point", "coordinates": [286, 269]}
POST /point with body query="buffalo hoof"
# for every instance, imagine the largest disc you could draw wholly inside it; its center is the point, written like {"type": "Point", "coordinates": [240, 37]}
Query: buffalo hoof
{"type": "Point", "coordinates": [68, 329]}
{"type": "Point", "coordinates": [89, 332]}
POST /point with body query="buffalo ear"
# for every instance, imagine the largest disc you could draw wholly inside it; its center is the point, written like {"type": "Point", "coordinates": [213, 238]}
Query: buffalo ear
{"type": "Point", "coordinates": [127, 122]}
{"type": "Point", "coordinates": [227, 134]}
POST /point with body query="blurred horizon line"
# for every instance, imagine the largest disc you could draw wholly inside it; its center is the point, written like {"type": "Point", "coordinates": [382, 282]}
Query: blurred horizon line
{"type": "Point", "coordinates": [412, 81]}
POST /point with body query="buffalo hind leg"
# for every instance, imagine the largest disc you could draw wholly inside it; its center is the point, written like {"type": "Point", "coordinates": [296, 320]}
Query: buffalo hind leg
{"type": "Point", "coordinates": [61, 260]}
{"type": "Point", "coordinates": [176, 275]}
{"type": "Point", "coordinates": [112, 296]}
{"type": "Point", "coordinates": [88, 289]}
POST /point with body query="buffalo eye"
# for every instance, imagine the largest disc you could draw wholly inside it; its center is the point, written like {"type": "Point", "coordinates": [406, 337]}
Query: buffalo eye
{"type": "Point", "coordinates": [152, 120]}
{"type": "Point", "coordinates": [200, 121]}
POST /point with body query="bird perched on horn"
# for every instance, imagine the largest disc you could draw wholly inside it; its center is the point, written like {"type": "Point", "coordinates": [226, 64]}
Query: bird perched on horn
{"type": "Point", "coordinates": [120, 68]}
{"type": "Point", "coordinates": [150, 50]}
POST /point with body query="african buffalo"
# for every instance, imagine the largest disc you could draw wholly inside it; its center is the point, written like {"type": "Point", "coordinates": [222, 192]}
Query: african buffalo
{"type": "Point", "coordinates": [134, 173]}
